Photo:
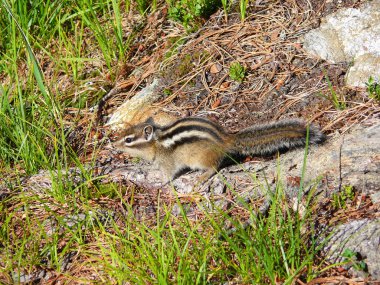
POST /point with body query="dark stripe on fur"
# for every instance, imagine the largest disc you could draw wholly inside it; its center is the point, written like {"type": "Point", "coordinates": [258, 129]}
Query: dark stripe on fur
{"type": "Point", "coordinates": [193, 119]}
{"type": "Point", "coordinates": [188, 140]}
{"type": "Point", "coordinates": [185, 128]}
{"type": "Point", "coordinates": [270, 138]}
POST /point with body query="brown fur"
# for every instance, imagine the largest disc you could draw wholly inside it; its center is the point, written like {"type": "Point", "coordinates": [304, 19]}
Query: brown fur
{"type": "Point", "coordinates": [198, 143]}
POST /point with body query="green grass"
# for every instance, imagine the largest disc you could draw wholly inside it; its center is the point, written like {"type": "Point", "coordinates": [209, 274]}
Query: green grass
{"type": "Point", "coordinates": [33, 132]}
{"type": "Point", "coordinates": [336, 99]}
{"type": "Point", "coordinates": [243, 9]}
{"type": "Point", "coordinates": [118, 247]}
{"type": "Point", "coordinates": [226, 7]}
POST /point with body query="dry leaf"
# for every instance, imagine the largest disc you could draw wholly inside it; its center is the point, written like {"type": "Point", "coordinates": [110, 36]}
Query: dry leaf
{"type": "Point", "coordinates": [215, 68]}
{"type": "Point", "coordinates": [274, 35]}
{"type": "Point", "coordinates": [281, 81]}
{"type": "Point", "coordinates": [216, 104]}
{"type": "Point", "coordinates": [224, 85]}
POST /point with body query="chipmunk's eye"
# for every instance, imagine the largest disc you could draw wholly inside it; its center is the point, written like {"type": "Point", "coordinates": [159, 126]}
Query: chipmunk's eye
{"type": "Point", "coordinates": [128, 140]}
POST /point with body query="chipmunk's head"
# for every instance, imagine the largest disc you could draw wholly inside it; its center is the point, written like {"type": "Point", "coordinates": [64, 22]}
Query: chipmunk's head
{"type": "Point", "coordinates": [137, 141]}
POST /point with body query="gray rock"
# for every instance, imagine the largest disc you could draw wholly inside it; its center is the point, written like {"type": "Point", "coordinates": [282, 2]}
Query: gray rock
{"type": "Point", "coordinates": [129, 109]}
{"type": "Point", "coordinates": [350, 35]}
{"type": "Point", "coordinates": [21, 277]}
{"type": "Point", "coordinates": [73, 220]}
{"type": "Point", "coordinates": [360, 161]}
{"type": "Point", "coordinates": [362, 237]}
{"type": "Point", "coordinates": [364, 66]}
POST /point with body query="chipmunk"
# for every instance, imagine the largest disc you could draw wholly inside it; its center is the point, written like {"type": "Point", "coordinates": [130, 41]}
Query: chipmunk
{"type": "Point", "coordinates": [198, 143]}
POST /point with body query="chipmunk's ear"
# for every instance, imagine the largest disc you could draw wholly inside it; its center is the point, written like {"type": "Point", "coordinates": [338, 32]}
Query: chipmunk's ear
{"type": "Point", "coordinates": [148, 132]}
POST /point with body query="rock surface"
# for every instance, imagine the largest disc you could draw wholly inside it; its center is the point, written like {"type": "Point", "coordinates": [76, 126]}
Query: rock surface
{"type": "Point", "coordinates": [365, 65]}
{"type": "Point", "coordinates": [361, 237]}
{"type": "Point", "coordinates": [135, 106]}
{"type": "Point", "coordinates": [351, 35]}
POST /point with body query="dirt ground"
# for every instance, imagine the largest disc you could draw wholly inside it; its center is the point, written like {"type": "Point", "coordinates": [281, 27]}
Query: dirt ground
{"type": "Point", "coordinates": [281, 81]}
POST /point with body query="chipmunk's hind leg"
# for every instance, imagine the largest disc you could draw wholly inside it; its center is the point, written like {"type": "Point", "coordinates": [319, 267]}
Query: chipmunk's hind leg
{"type": "Point", "coordinates": [207, 175]}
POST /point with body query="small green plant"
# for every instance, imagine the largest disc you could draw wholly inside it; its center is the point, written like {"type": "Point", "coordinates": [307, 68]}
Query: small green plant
{"type": "Point", "coordinates": [168, 92]}
{"type": "Point", "coordinates": [237, 72]}
{"type": "Point", "coordinates": [337, 100]}
{"type": "Point", "coordinates": [373, 88]}
{"type": "Point", "coordinates": [340, 199]}
{"type": "Point", "coordinates": [353, 258]}
{"type": "Point", "coordinates": [190, 13]}
{"type": "Point", "coordinates": [175, 44]}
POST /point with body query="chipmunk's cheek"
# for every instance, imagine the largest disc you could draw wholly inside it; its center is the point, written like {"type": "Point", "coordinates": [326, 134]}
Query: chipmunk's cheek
{"type": "Point", "coordinates": [118, 144]}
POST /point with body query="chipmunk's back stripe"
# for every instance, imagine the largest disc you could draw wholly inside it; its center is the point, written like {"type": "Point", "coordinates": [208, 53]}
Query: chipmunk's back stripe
{"type": "Point", "coordinates": [189, 134]}
{"type": "Point", "coordinates": [195, 129]}
{"type": "Point", "coordinates": [187, 140]}
{"type": "Point", "coordinates": [188, 130]}
{"type": "Point", "coordinates": [192, 121]}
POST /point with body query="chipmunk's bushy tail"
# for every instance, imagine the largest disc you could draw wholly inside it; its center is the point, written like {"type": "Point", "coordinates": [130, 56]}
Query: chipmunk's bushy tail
{"type": "Point", "coordinates": [270, 138]}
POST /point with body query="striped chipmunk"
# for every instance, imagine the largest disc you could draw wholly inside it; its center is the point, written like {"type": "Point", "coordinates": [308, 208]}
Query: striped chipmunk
{"type": "Point", "coordinates": [199, 143]}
